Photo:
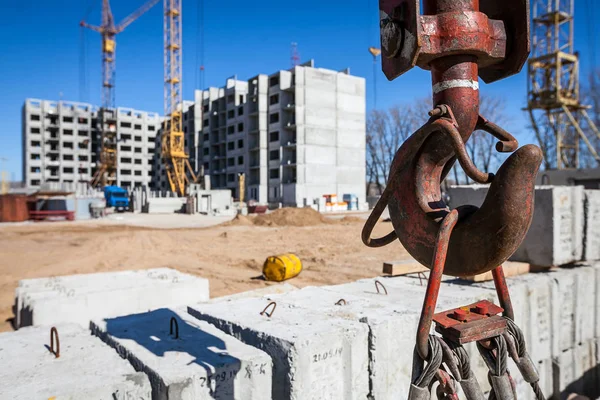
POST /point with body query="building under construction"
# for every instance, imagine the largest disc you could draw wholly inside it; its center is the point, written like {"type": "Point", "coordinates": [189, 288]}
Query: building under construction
{"type": "Point", "coordinates": [61, 143]}
{"type": "Point", "coordinates": [295, 135]}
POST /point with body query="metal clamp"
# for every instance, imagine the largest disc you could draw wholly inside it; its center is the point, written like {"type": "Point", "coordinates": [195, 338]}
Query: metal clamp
{"type": "Point", "coordinates": [174, 323]}
{"type": "Point", "coordinates": [54, 334]}
{"type": "Point", "coordinates": [264, 312]}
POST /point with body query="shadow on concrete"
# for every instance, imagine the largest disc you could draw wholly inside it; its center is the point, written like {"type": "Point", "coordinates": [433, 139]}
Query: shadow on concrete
{"type": "Point", "coordinates": [587, 385]}
{"type": "Point", "coordinates": [152, 331]}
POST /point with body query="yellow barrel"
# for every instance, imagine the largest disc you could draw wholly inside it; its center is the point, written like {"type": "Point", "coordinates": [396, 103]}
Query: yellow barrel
{"type": "Point", "coordinates": [282, 267]}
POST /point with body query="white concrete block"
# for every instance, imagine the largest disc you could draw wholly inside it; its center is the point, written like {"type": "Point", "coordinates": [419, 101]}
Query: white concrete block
{"type": "Point", "coordinates": [556, 233]}
{"type": "Point", "coordinates": [202, 363]}
{"type": "Point", "coordinates": [86, 368]}
{"type": "Point", "coordinates": [592, 225]}
{"type": "Point", "coordinates": [577, 369]}
{"type": "Point", "coordinates": [392, 332]}
{"type": "Point", "coordinates": [314, 356]}
{"type": "Point", "coordinates": [572, 297]}
{"type": "Point", "coordinates": [399, 319]}
{"type": "Point", "coordinates": [80, 298]}
{"type": "Point", "coordinates": [279, 288]}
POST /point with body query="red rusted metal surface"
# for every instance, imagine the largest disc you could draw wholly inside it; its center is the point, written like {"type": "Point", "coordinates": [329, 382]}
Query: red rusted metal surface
{"type": "Point", "coordinates": [470, 323]}
{"type": "Point", "coordinates": [496, 33]}
{"type": "Point", "coordinates": [13, 208]}
{"type": "Point", "coordinates": [458, 41]}
{"type": "Point", "coordinates": [46, 215]}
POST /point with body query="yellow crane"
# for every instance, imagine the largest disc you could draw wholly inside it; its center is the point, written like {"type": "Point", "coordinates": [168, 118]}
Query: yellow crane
{"type": "Point", "coordinates": [106, 170]}
{"type": "Point", "coordinates": [175, 159]}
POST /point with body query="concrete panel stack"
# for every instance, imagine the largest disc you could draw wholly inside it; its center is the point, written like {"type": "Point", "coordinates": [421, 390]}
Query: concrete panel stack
{"type": "Point", "coordinates": [190, 359]}
{"type": "Point", "coordinates": [392, 319]}
{"type": "Point", "coordinates": [314, 355]}
{"type": "Point", "coordinates": [164, 205]}
{"type": "Point", "coordinates": [592, 226]}
{"type": "Point", "coordinates": [556, 233]}
{"type": "Point", "coordinates": [80, 298]}
{"type": "Point", "coordinates": [86, 368]}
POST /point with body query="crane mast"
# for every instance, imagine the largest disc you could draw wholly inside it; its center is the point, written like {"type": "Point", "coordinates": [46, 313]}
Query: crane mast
{"type": "Point", "coordinates": [173, 153]}
{"type": "Point", "coordinates": [106, 169]}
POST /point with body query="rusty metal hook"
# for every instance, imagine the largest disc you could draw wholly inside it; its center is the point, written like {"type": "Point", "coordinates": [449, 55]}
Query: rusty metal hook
{"type": "Point", "coordinates": [174, 323]}
{"type": "Point", "coordinates": [340, 302]}
{"type": "Point", "coordinates": [377, 284]}
{"type": "Point", "coordinates": [53, 334]}
{"type": "Point", "coordinates": [264, 312]}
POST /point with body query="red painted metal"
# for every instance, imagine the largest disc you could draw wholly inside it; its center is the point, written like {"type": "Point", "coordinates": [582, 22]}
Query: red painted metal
{"type": "Point", "coordinates": [459, 41]}
{"type": "Point", "coordinates": [14, 208]}
{"type": "Point", "coordinates": [48, 214]}
{"type": "Point", "coordinates": [469, 324]}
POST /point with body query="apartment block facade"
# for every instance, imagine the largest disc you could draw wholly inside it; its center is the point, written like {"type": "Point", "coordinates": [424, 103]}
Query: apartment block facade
{"type": "Point", "coordinates": [61, 142]}
{"type": "Point", "coordinates": [296, 135]}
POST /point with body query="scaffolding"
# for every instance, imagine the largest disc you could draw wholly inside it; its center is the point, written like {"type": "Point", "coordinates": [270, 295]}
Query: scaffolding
{"type": "Point", "coordinates": [558, 118]}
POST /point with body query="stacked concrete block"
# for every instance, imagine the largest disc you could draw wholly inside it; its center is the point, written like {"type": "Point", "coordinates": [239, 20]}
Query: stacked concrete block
{"type": "Point", "coordinates": [392, 319]}
{"type": "Point", "coordinates": [190, 360]}
{"type": "Point", "coordinates": [86, 368]}
{"type": "Point", "coordinates": [592, 225]}
{"type": "Point", "coordinates": [80, 298]}
{"type": "Point", "coordinates": [556, 233]}
{"type": "Point", "coordinates": [314, 355]}
{"type": "Point", "coordinates": [164, 205]}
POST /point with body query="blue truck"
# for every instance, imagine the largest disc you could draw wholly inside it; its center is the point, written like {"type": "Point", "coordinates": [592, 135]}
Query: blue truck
{"type": "Point", "coordinates": [116, 197]}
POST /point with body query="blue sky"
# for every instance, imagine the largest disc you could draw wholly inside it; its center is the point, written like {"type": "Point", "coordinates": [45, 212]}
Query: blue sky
{"type": "Point", "coordinates": [41, 53]}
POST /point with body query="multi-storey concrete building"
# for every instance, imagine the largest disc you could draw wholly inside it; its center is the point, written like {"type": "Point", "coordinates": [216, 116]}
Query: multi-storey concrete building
{"type": "Point", "coordinates": [295, 134]}
{"type": "Point", "coordinates": [61, 142]}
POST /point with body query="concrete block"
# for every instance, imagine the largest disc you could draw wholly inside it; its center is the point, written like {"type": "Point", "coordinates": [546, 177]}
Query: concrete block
{"type": "Point", "coordinates": [556, 233]}
{"type": "Point", "coordinates": [573, 297]}
{"type": "Point", "coordinates": [201, 363]}
{"type": "Point", "coordinates": [279, 288]}
{"type": "Point", "coordinates": [591, 244]}
{"type": "Point", "coordinates": [392, 326]}
{"type": "Point", "coordinates": [80, 298]}
{"type": "Point", "coordinates": [164, 205]}
{"type": "Point", "coordinates": [86, 368]}
{"type": "Point", "coordinates": [577, 370]}
{"type": "Point", "coordinates": [314, 355]}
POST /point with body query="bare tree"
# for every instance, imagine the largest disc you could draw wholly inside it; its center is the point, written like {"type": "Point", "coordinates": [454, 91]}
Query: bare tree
{"type": "Point", "coordinates": [386, 131]}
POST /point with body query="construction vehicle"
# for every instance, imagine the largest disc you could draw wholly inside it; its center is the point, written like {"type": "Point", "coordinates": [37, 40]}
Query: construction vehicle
{"type": "Point", "coordinates": [106, 171]}
{"type": "Point", "coordinates": [116, 197]}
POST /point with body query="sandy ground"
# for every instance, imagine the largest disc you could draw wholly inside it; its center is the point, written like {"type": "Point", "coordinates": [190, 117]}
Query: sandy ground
{"type": "Point", "coordinates": [230, 256]}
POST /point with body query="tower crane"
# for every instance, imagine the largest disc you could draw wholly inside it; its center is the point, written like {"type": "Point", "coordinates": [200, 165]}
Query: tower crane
{"type": "Point", "coordinates": [106, 170]}
{"type": "Point", "coordinates": [173, 153]}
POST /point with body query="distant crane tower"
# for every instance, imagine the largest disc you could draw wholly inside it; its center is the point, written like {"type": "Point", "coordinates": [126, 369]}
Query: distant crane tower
{"type": "Point", "coordinates": [295, 58]}
{"type": "Point", "coordinates": [553, 103]}
{"type": "Point", "coordinates": [106, 170]}
{"type": "Point", "coordinates": [173, 154]}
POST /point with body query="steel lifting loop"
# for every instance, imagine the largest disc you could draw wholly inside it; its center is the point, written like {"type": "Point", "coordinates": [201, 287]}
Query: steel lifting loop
{"type": "Point", "coordinates": [174, 323]}
{"type": "Point", "coordinates": [434, 282]}
{"type": "Point", "coordinates": [53, 334]}
{"type": "Point", "coordinates": [264, 312]}
{"type": "Point", "coordinates": [340, 302]}
{"type": "Point", "coordinates": [377, 285]}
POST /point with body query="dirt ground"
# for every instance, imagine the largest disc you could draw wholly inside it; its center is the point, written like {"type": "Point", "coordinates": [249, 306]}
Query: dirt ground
{"type": "Point", "coordinates": [229, 255]}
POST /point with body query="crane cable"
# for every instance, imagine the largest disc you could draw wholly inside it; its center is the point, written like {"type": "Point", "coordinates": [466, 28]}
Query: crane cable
{"type": "Point", "coordinates": [83, 58]}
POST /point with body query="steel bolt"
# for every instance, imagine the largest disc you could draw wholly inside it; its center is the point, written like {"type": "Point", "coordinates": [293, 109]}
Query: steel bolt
{"type": "Point", "coordinates": [482, 308]}
{"type": "Point", "coordinates": [460, 314]}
